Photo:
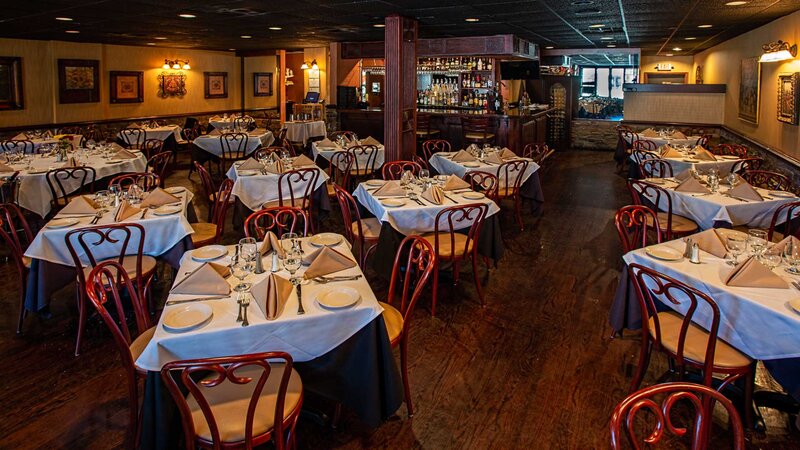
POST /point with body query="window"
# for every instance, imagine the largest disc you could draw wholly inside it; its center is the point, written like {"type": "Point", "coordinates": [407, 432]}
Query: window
{"type": "Point", "coordinates": [606, 81]}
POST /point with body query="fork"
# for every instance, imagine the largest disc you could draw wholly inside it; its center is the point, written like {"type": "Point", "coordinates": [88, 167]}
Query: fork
{"type": "Point", "coordinates": [97, 216]}
{"type": "Point", "coordinates": [325, 280]}
{"type": "Point", "coordinates": [414, 197]}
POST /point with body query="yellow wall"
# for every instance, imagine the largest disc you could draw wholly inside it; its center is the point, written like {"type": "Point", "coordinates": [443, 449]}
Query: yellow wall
{"type": "Point", "coordinates": [321, 55]}
{"type": "Point", "coordinates": [721, 64]}
{"type": "Point", "coordinates": [260, 64]}
{"type": "Point", "coordinates": [682, 64]}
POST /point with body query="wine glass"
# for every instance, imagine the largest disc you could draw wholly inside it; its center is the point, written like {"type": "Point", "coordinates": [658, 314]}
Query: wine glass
{"type": "Point", "coordinates": [737, 245]}
{"type": "Point", "coordinates": [424, 174]}
{"type": "Point", "coordinates": [249, 247]}
{"type": "Point", "coordinates": [771, 260]}
{"type": "Point", "coordinates": [733, 179]}
{"type": "Point", "coordinates": [292, 262]}
{"type": "Point", "coordinates": [241, 266]}
{"type": "Point", "coordinates": [791, 254]}
{"type": "Point", "coordinates": [757, 240]}
{"type": "Point", "coordinates": [289, 242]}
{"type": "Point", "coordinates": [102, 198]}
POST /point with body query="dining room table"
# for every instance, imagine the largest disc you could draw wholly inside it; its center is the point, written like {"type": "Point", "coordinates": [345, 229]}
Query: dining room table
{"type": "Point", "coordinates": [167, 237]}
{"type": "Point", "coordinates": [663, 139]}
{"type": "Point", "coordinates": [169, 133]}
{"type": "Point", "coordinates": [34, 191]}
{"type": "Point", "coordinates": [322, 154]}
{"type": "Point", "coordinates": [39, 140]}
{"type": "Point", "coordinates": [303, 130]}
{"type": "Point", "coordinates": [209, 146]}
{"type": "Point", "coordinates": [342, 352]}
{"type": "Point", "coordinates": [722, 164]}
{"type": "Point", "coordinates": [220, 123]}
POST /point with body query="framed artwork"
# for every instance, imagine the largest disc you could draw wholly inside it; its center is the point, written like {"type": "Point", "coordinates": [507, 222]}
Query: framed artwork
{"type": "Point", "coordinates": [171, 84]}
{"type": "Point", "coordinates": [11, 94]}
{"type": "Point", "coordinates": [127, 87]}
{"type": "Point", "coordinates": [787, 97]}
{"type": "Point", "coordinates": [78, 81]}
{"type": "Point", "coordinates": [262, 84]}
{"type": "Point", "coordinates": [749, 87]}
{"type": "Point", "coordinates": [216, 84]}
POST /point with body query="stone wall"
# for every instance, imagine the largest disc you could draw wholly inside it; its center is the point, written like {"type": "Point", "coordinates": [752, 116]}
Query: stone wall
{"type": "Point", "coordinates": [773, 161]}
{"type": "Point", "coordinates": [591, 134]}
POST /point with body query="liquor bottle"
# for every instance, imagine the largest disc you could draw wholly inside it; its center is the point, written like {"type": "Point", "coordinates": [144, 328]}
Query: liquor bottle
{"type": "Point", "coordinates": [488, 63]}
{"type": "Point", "coordinates": [477, 81]}
{"type": "Point", "coordinates": [480, 63]}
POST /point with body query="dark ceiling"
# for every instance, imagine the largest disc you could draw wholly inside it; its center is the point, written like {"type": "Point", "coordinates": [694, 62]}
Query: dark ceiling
{"type": "Point", "coordinates": [655, 26]}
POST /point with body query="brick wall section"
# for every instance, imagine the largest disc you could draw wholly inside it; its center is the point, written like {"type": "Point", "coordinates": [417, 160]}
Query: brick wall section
{"type": "Point", "coordinates": [594, 134]}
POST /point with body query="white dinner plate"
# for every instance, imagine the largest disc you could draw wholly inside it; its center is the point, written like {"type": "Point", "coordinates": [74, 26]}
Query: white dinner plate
{"type": "Point", "coordinates": [338, 297]}
{"type": "Point", "coordinates": [663, 253]}
{"type": "Point", "coordinates": [691, 160]}
{"type": "Point", "coordinates": [375, 182]}
{"type": "Point", "coordinates": [470, 164]}
{"type": "Point", "coordinates": [37, 171]}
{"type": "Point", "coordinates": [115, 161]}
{"type": "Point", "coordinates": [781, 194]}
{"type": "Point", "coordinates": [473, 195]}
{"type": "Point", "coordinates": [247, 173]}
{"type": "Point", "coordinates": [795, 303]}
{"type": "Point", "coordinates": [166, 210]}
{"type": "Point", "coordinates": [392, 202]}
{"type": "Point", "coordinates": [209, 253]}
{"type": "Point", "coordinates": [728, 157]}
{"type": "Point", "coordinates": [175, 189]}
{"type": "Point", "coordinates": [62, 223]}
{"type": "Point", "coordinates": [325, 239]}
{"type": "Point", "coordinates": [654, 180]}
{"type": "Point", "coordinates": [187, 317]}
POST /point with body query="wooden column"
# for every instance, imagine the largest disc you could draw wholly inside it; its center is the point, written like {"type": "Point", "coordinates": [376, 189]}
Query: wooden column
{"type": "Point", "coordinates": [400, 98]}
{"type": "Point", "coordinates": [280, 84]}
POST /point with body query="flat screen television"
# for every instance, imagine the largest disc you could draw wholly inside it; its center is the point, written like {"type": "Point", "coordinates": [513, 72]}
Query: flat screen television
{"type": "Point", "coordinates": [519, 70]}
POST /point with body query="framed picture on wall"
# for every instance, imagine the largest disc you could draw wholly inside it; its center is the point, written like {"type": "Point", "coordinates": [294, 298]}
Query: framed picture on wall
{"type": "Point", "coordinates": [216, 84]}
{"type": "Point", "coordinates": [749, 87]}
{"type": "Point", "coordinates": [262, 84]}
{"type": "Point", "coordinates": [787, 97]}
{"type": "Point", "coordinates": [78, 81]}
{"type": "Point", "coordinates": [11, 83]}
{"type": "Point", "coordinates": [127, 87]}
{"type": "Point", "coordinates": [171, 84]}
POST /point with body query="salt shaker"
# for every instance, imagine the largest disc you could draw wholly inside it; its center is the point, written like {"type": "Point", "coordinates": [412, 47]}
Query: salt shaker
{"type": "Point", "coordinates": [687, 253]}
{"type": "Point", "coordinates": [274, 262]}
{"type": "Point", "coordinates": [695, 258]}
{"type": "Point", "coordinates": [259, 264]}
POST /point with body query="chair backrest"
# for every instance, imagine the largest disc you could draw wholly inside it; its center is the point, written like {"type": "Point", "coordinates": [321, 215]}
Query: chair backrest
{"type": "Point", "coordinates": [790, 226]}
{"type": "Point", "coordinates": [746, 165]}
{"type": "Point", "coordinates": [264, 152]}
{"type": "Point", "coordinates": [208, 183]}
{"type": "Point", "coordinates": [18, 145]}
{"type": "Point", "coordinates": [287, 144]}
{"type": "Point", "coordinates": [510, 175]}
{"type": "Point", "coordinates": [393, 170]}
{"type": "Point", "coordinates": [349, 135]}
{"type": "Point", "coordinates": [634, 223]}
{"type": "Point", "coordinates": [645, 145]}
{"type": "Point", "coordinates": [9, 188]}
{"type": "Point", "coordinates": [730, 150]}
{"type": "Point", "coordinates": [413, 264]}
{"type": "Point", "coordinates": [350, 214]}
{"type": "Point", "coordinates": [652, 288]}
{"type": "Point", "coordinates": [152, 147]}
{"type": "Point", "coordinates": [94, 134]}
{"type": "Point", "coordinates": [536, 152]}
{"type": "Point", "coordinates": [190, 134]}
{"type": "Point", "coordinates": [364, 158]}
{"type": "Point", "coordinates": [243, 122]}
{"type": "Point", "coordinates": [200, 377]}
{"type": "Point", "coordinates": [234, 145]}
{"type": "Point", "coordinates": [702, 398]}
{"type": "Point", "coordinates": [627, 136]}
{"type": "Point", "coordinates": [654, 197]}
{"type": "Point", "coordinates": [703, 140]}
{"type": "Point", "coordinates": [147, 180]}
{"type": "Point", "coordinates": [280, 219]}
{"type": "Point", "coordinates": [423, 122]}
{"type": "Point", "coordinates": [296, 187]}
{"type": "Point", "coordinates": [432, 146]}
{"type": "Point", "coordinates": [767, 180]}
{"type": "Point", "coordinates": [485, 182]}
{"type": "Point", "coordinates": [655, 168]}
{"type": "Point", "coordinates": [476, 125]}
{"type": "Point", "coordinates": [220, 207]}
{"type": "Point", "coordinates": [421, 162]}
{"type": "Point", "coordinates": [71, 130]}
{"type": "Point", "coordinates": [640, 156]}
{"type": "Point", "coordinates": [15, 233]}
{"type": "Point", "coordinates": [62, 183]}
{"type": "Point", "coordinates": [133, 137]}
{"type": "Point", "coordinates": [158, 164]}
{"type": "Point", "coordinates": [191, 123]}
{"type": "Point", "coordinates": [340, 166]}
{"type": "Point", "coordinates": [457, 218]}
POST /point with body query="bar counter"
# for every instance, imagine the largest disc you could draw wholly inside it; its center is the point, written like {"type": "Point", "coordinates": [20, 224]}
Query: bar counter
{"type": "Point", "coordinates": [514, 128]}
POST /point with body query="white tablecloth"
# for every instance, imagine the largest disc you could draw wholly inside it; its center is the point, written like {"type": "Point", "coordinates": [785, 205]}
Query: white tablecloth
{"type": "Point", "coordinates": [659, 141]}
{"type": "Point", "coordinates": [327, 153]}
{"type": "Point", "coordinates": [723, 165]}
{"type": "Point", "coordinates": [412, 218]}
{"type": "Point", "coordinates": [34, 192]}
{"type": "Point", "coordinates": [161, 234]}
{"type": "Point", "coordinates": [705, 210]}
{"type": "Point", "coordinates": [302, 131]}
{"type": "Point", "coordinates": [442, 163]}
{"type": "Point", "coordinates": [255, 139]}
{"type": "Point", "coordinates": [758, 321]}
{"type": "Point", "coordinates": [76, 139]}
{"type": "Point", "coordinates": [160, 133]}
{"type": "Point", "coordinates": [255, 190]}
{"type": "Point", "coordinates": [305, 337]}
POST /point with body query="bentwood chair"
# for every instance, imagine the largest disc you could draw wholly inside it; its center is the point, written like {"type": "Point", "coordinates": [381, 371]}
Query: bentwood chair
{"type": "Point", "coordinates": [133, 137]}
{"type": "Point", "coordinates": [790, 226]}
{"type": "Point", "coordinates": [432, 146]}
{"type": "Point", "coordinates": [684, 342]}
{"type": "Point", "coordinates": [477, 130]}
{"type": "Point", "coordinates": [485, 182]}
{"type": "Point", "coordinates": [393, 170]}
{"type": "Point", "coordinates": [413, 264]}
{"type": "Point", "coordinates": [767, 180]}
{"type": "Point", "coordinates": [349, 135]}
{"type": "Point", "coordinates": [623, 424]}
{"type": "Point", "coordinates": [152, 147]}
{"type": "Point", "coordinates": [104, 286]}
{"type": "Point", "coordinates": [424, 130]}
{"type": "Point", "coordinates": [634, 225]}
{"type": "Point", "coordinates": [537, 152]}
{"type": "Point", "coordinates": [296, 189]}
{"type": "Point", "coordinates": [234, 147]}
{"type": "Point", "coordinates": [362, 233]}
{"type": "Point", "coordinates": [146, 180]}
{"type": "Point", "coordinates": [158, 165]}
{"type": "Point", "coordinates": [655, 168]}
{"type": "Point", "coordinates": [93, 134]}
{"type": "Point", "coordinates": [645, 145]}
{"type": "Point", "coordinates": [730, 150]}
{"type": "Point", "coordinates": [244, 123]}
{"type": "Point", "coordinates": [292, 148]}
{"type": "Point", "coordinates": [454, 239]}
{"type": "Point", "coordinates": [703, 140]}
{"type": "Point", "coordinates": [17, 235]}
{"type": "Point", "coordinates": [18, 145]}
{"type": "Point", "coordinates": [341, 164]}
{"type": "Point", "coordinates": [364, 161]}
{"type": "Point", "coordinates": [63, 181]}
{"type": "Point", "coordinates": [422, 163]}
{"type": "Point", "coordinates": [510, 175]}
{"type": "Point", "coordinates": [268, 151]}
{"type": "Point", "coordinates": [206, 233]}
{"type": "Point", "coordinates": [625, 139]}
{"type": "Point", "coordinates": [127, 239]}
{"type": "Point", "coordinates": [746, 165]}
{"type": "Point", "coordinates": [9, 188]}
{"type": "Point", "coordinates": [279, 220]}
{"type": "Point", "coordinates": [671, 225]}
{"type": "Point", "coordinates": [71, 130]}
{"type": "Point", "coordinates": [236, 401]}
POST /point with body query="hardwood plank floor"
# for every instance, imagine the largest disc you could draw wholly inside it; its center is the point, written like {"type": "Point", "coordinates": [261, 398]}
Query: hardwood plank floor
{"type": "Point", "coordinates": [534, 369]}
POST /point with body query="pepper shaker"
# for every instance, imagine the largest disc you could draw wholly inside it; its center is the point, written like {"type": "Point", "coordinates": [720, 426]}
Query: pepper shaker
{"type": "Point", "coordinates": [259, 264]}
{"type": "Point", "coordinates": [274, 262]}
{"type": "Point", "coordinates": [695, 258]}
{"type": "Point", "coordinates": [687, 253]}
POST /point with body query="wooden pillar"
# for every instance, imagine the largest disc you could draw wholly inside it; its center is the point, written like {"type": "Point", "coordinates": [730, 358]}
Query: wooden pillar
{"type": "Point", "coordinates": [280, 86]}
{"type": "Point", "coordinates": [400, 98]}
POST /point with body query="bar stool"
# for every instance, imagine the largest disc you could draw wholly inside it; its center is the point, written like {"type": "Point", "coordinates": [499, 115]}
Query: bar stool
{"type": "Point", "coordinates": [477, 130]}
{"type": "Point", "coordinates": [424, 131]}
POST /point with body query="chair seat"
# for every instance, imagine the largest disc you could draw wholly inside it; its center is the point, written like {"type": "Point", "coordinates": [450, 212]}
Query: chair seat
{"type": "Point", "coordinates": [478, 136]}
{"type": "Point", "coordinates": [362, 172]}
{"type": "Point", "coordinates": [445, 250]}
{"type": "Point", "coordinates": [138, 345]}
{"type": "Point", "coordinates": [229, 403]}
{"type": "Point", "coordinates": [129, 264]}
{"type": "Point", "coordinates": [370, 226]}
{"type": "Point", "coordinates": [725, 356]}
{"type": "Point", "coordinates": [298, 203]}
{"type": "Point", "coordinates": [203, 231]}
{"type": "Point", "coordinates": [504, 192]}
{"type": "Point", "coordinates": [394, 321]}
{"type": "Point", "coordinates": [680, 224]}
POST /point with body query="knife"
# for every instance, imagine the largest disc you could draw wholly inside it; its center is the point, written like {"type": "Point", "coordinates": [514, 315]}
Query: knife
{"type": "Point", "coordinates": [300, 310]}
{"type": "Point", "coordinates": [198, 299]}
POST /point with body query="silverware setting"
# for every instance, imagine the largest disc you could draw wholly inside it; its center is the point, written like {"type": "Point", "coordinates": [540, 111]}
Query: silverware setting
{"type": "Point", "coordinates": [97, 216]}
{"type": "Point", "coordinates": [414, 197]}
{"type": "Point", "coordinates": [796, 285]}
{"type": "Point", "coordinates": [325, 280]}
{"type": "Point", "coordinates": [198, 299]}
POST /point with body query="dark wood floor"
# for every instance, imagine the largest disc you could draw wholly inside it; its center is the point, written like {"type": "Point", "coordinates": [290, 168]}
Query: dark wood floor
{"type": "Point", "coordinates": [535, 369]}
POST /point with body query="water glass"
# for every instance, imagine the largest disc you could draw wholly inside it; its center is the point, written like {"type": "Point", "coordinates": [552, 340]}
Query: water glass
{"type": "Point", "coordinates": [292, 262]}
{"type": "Point", "coordinates": [424, 174]}
{"type": "Point", "coordinates": [248, 247]}
{"type": "Point", "coordinates": [771, 260]}
{"type": "Point", "coordinates": [737, 245]}
{"type": "Point", "coordinates": [241, 267]}
{"type": "Point", "coordinates": [791, 254]}
{"type": "Point", "coordinates": [757, 240]}
{"type": "Point", "coordinates": [103, 198]}
{"type": "Point", "coordinates": [733, 179]}
{"type": "Point", "coordinates": [290, 242]}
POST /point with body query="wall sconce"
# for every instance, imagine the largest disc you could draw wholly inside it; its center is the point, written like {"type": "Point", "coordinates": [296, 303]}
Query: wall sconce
{"type": "Point", "coordinates": [314, 65]}
{"type": "Point", "coordinates": [176, 64]}
{"type": "Point", "coordinates": [778, 51]}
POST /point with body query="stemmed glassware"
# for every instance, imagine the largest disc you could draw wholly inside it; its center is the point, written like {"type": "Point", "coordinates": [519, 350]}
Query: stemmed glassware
{"type": "Point", "coordinates": [736, 245]}
{"type": "Point", "coordinates": [424, 174]}
{"type": "Point", "coordinates": [757, 240]}
{"type": "Point", "coordinates": [791, 254]}
{"type": "Point", "coordinates": [733, 179]}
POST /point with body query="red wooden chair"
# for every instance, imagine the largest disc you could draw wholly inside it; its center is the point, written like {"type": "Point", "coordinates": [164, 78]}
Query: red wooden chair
{"type": "Point", "coordinates": [421, 162]}
{"type": "Point", "coordinates": [209, 188]}
{"type": "Point", "coordinates": [510, 175]}
{"type": "Point", "coordinates": [158, 164]}
{"type": "Point", "coordinates": [17, 235]}
{"type": "Point", "coordinates": [671, 225]}
{"type": "Point", "coordinates": [60, 182]}
{"type": "Point", "coordinates": [703, 140]}
{"type": "Point", "coordinates": [349, 135]}
{"type": "Point", "coordinates": [413, 264]}
{"type": "Point", "coordinates": [767, 180]}
{"type": "Point", "coordinates": [393, 170]}
{"type": "Point", "coordinates": [152, 147]}
{"type": "Point", "coordinates": [9, 188]}
{"type": "Point", "coordinates": [236, 401]}
{"type": "Point", "coordinates": [537, 152]}
{"type": "Point", "coordinates": [634, 222]}
{"type": "Point", "coordinates": [623, 421]}
{"type": "Point", "coordinates": [655, 168]}
{"type": "Point", "coordinates": [364, 160]}
{"type": "Point", "coordinates": [133, 137]}
{"type": "Point", "coordinates": [454, 239]}
{"type": "Point", "coordinates": [147, 180]}
{"type": "Point", "coordinates": [432, 146]}
{"type": "Point", "coordinates": [128, 240]}
{"type": "Point", "coordinates": [103, 286]}
{"type": "Point", "coordinates": [730, 150]}
{"type": "Point", "coordinates": [363, 232]}
{"type": "Point", "coordinates": [746, 165]}
{"type": "Point", "coordinates": [206, 233]}
{"type": "Point", "coordinates": [485, 182]}
{"type": "Point", "coordinates": [684, 342]}
{"type": "Point", "coordinates": [279, 220]}
{"type": "Point", "coordinates": [296, 189]}
{"type": "Point", "coordinates": [790, 225]}
{"type": "Point", "coordinates": [234, 148]}
{"type": "Point", "coordinates": [645, 145]}
{"type": "Point", "coordinates": [423, 129]}
{"type": "Point", "coordinates": [287, 144]}
{"type": "Point", "coordinates": [341, 164]}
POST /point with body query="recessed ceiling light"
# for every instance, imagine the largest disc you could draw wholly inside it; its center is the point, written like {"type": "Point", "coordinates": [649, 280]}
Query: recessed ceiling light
{"type": "Point", "coordinates": [471, 19]}
{"type": "Point", "coordinates": [160, 38]}
{"type": "Point", "coordinates": [72, 31]}
{"type": "Point", "coordinates": [64, 19]}
{"type": "Point", "coordinates": [736, 3]}
{"type": "Point", "coordinates": [597, 25]}
{"type": "Point", "coordinates": [151, 43]}
{"type": "Point", "coordinates": [549, 47]}
{"type": "Point", "coordinates": [246, 36]}
{"type": "Point", "coordinates": [380, 25]}
{"type": "Point", "coordinates": [232, 49]}
{"type": "Point", "coordinates": [676, 49]}
{"type": "Point", "coordinates": [606, 38]}
{"type": "Point", "coordinates": [690, 38]}
{"type": "Point", "coordinates": [275, 28]}
{"type": "Point", "coordinates": [668, 54]}
{"type": "Point", "coordinates": [611, 45]}
{"type": "Point", "coordinates": [187, 16]}
{"type": "Point", "coordinates": [705, 26]}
